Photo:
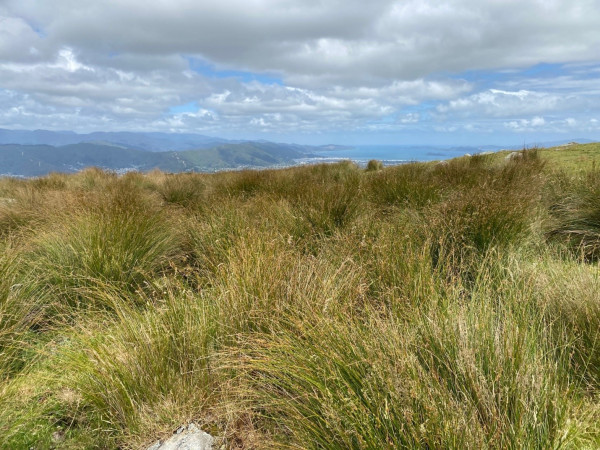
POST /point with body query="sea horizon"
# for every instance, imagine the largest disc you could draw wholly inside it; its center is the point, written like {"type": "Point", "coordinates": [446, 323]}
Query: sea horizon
{"type": "Point", "coordinates": [391, 154]}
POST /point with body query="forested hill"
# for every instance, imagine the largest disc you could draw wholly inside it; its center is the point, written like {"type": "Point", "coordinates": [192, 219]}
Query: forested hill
{"type": "Point", "coordinates": [37, 160]}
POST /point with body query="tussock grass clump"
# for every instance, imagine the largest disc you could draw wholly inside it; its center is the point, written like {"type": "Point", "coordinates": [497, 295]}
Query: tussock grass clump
{"type": "Point", "coordinates": [116, 242]}
{"type": "Point", "coordinates": [572, 306]}
{"type": "Point", "coordinates": [577, 217]}
{"type": "Point", "coordinates": [327, 208]}
{"type": "Point", "coordinates": [23, 206]}
{"type": "Point", "coordinates": [325, 205]}
{"type": "Point", "coordinates": [126, 375]}
{"type": "Point", "coordinates": [53, 181]}
{"type": "Point", "coordinates": [463, 377]}
{"type": "Point", "coordinates": [374, 165]}
{"type": "Point", "coordinates": [92, 178]}
{"type": "Point", "coordinates": [210, 239]}
{"type": "Point", "coordinates": [405, 185]}
{"type": "Point", "coordinates": [395, 260]}
{"type": "Point", "coordinates": [243, 184]}
{"type": "Point", "coordinates": [183, 189]}
{"type": "Point", "coordinates": [124, 380]}
{"type": "Point", "coordinates": [498, 211]}
{"type": "Point", "coordinates": [17, 314]}
{"type": "Point", "coordinates": [248, 281]}
{"type": "Point", "coordinates": [263, 279]}
{"type": "Point", "coordinates": [468, 224]}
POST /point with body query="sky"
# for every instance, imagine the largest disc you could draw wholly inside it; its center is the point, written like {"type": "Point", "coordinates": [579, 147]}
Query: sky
{"type": "Point", "coordinates": [455, 72]}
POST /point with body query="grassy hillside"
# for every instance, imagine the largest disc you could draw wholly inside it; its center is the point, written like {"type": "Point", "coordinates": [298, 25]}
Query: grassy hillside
{"type": "Point", "coordinates": [254, 154]}
{"type": "Point", "coordinates": [37, 160]}
{"type": "Point", "coordinates": [574, 156]}
{"type": "Point", "coordinates": [568, 157]}
{"type": "Point", "coordinates": [443, 305]}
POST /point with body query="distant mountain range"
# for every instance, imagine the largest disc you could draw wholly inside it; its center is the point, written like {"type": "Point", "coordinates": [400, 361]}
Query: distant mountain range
{"type": "Point", "coordinates": [151, 142]}
{"type": "Point", "coordinates": [37, 160]}
{"type": "Point", "coordinates": [39, 152]}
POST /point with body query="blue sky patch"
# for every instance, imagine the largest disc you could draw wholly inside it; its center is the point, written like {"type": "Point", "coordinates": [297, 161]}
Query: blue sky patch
{"type": "Point", "coordinates": [190, 107]}
{"type": "Point", "coordinates": [209, 70]}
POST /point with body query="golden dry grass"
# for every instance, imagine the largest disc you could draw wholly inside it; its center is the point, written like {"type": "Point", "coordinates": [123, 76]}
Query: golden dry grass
{"type": "Point", "coordinates": [419, 306]}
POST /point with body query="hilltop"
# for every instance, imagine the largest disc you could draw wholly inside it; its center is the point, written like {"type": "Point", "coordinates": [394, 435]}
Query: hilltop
{"type": "Point", "coordinates": [428, 305]}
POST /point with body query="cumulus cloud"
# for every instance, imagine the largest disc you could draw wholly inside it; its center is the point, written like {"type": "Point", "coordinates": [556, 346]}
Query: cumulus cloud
{"type": "Point", "coordinates": [500, 103]}
{"type": "Point", "coordinates": [18, 40]}
{"type": "Point", "coordinates": [410, 118]}
{"type": "Point", "coordinates": [347, 39]}
{"type": "Point", "coordinates": [337, 64]}
{"type": "Point", "coordinates": [73, 90]}
{"type": "Point", "coordinates": [555, 125]}
{"type": "Point", "coordinates": [526, 125]}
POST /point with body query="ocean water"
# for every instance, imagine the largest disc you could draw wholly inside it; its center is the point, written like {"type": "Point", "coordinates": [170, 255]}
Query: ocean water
{"type": "Point", "coordinates": [390, 154]}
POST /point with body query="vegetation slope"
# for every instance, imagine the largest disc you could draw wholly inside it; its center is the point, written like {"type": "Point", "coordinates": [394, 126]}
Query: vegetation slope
{"type": "Point", "coordinates": [448, 305]}
{"type": "Point", "coordinates": [40, 160]}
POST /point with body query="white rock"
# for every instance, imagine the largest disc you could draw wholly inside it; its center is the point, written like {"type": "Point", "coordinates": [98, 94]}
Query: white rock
{"type": "Point", "coordinates": [155, 446]}
{"type": "Point", "coordinates": [514, 155]}
{"type": "Point", "coordinates": [186, 438]}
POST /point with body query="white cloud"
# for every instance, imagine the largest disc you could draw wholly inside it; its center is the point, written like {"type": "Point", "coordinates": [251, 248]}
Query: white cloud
{"type": "Point", "coordinates": [501, 103]}
{"type": "Point", "coordinates": [68, 62]}
{"type": "Point", "coordinates": [126, 96]}
{"type": "Point", "coordinates": [538, 121]}
{"type": "Point", "coordinates": [339, 64]}
{"type": "Point", "coordinates": [560, 125]}
{"type": "Point", "coordinates": [410, 118]}
{"type": "Point", "coordinates": [18, 41]}
{"type": "Point", "coordinates": [339, 40]}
